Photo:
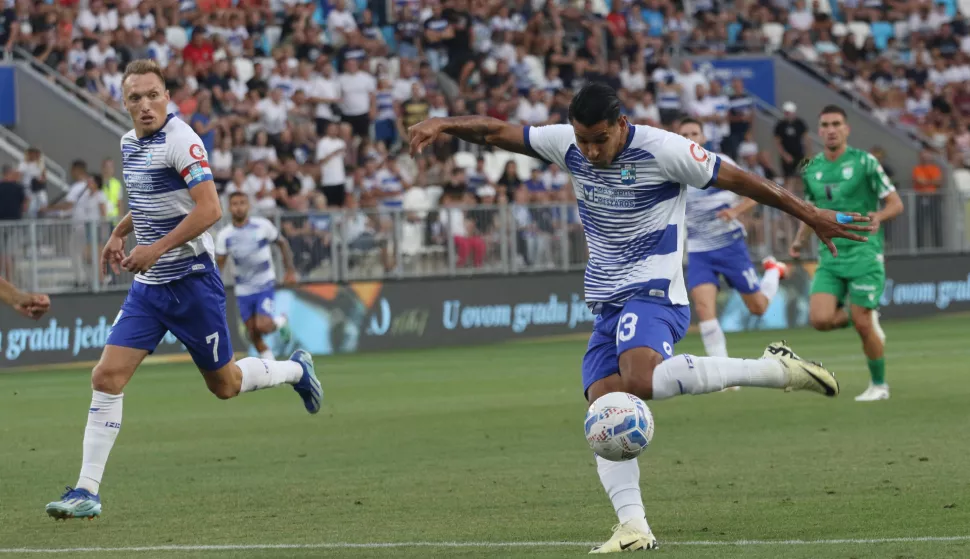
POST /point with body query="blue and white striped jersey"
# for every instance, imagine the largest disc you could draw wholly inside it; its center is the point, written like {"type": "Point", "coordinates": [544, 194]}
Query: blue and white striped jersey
{"type": "Point", "coordinates": [706, 231]}
{"type": "Point", "coordinates": [632, 211]}
{"type": "Point", "coordinates": [252, 255]}
{"type": "Point", "coordinates": [159, 170]}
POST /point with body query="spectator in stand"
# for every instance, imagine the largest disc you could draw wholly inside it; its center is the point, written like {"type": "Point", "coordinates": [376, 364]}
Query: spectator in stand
{"type": "Point", "coordinates": [509, 181]}
{"type": "Point", "coordinates": [204, 122]}
{"type": "Point", "coordinates": [272, 113]}
{"type": "Point", "coordinates": [927, 180]}
{"type": "Point", "coordinates": [200, 51]}
{"type": "Point", "coordinates": [740, 118]}
{"type": "Point", "coordinates": [260, 188]}
{"type": "Point", "coordinates": [791, 137]}
{"type": "Point", "coordinates": [293, 190]}
{"type": "Point", "coordinates": [330, 153]}
{"type": "Point", "coordinates": [13, 197]}
{"type": "Point", "coordinates": [357, 90]}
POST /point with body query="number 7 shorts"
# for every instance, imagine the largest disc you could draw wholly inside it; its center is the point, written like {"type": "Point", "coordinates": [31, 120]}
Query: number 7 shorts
{"type": "Point", "coordinates": [636, 324]}
{"type": "Point", "coordinates": [193, 308]}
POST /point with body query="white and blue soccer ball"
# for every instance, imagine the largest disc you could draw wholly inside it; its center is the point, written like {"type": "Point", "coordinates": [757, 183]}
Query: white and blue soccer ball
{"type": "Point", "coordinates": [619, 426]}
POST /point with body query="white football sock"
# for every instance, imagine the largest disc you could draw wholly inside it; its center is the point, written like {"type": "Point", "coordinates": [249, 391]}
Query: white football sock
{"type": "Point", "coordinates": [769, 283]}
{"type": "Point", "coordinates": [264, 373]}
{"type": "Point", "coordinates": [279, 321]}
{"type": "Point", "coordinates": [104, 422]}
{"type": "Point", "coordinates": [267, 355]}
{"type": "Point", "coordinates": [715, 344]}
{"type": "Point", "coordinates": [622, 483]}
{"type": "Point", "coordinates": [686, 374]}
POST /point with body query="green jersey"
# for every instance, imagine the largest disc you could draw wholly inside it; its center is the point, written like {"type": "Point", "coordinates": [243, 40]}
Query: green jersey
{"type": "Point", "coordinates": [855, 182]}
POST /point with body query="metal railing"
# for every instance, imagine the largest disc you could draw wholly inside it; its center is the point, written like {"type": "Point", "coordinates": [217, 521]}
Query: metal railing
{"type": "Point", "coordinates": [448, 241]}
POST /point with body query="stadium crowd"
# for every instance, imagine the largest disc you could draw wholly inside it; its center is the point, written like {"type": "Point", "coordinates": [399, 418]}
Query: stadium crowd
{"type": "Point", "coordinates": [303, 105]}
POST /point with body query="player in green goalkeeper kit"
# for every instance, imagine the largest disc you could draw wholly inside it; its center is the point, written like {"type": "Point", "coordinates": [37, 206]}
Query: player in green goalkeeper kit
{"type": "Point", "coordinates": [847, 179]}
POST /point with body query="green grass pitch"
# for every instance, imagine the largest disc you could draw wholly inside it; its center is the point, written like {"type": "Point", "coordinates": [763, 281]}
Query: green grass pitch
{"type": "Point", "coordinates": [485, 444]}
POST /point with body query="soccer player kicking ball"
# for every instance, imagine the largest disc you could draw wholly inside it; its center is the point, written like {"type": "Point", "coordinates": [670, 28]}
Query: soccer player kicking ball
{"type": "Point", "coordinates": [173, 203]}
{"type": "Point", "coordinates": [248, 240]}
{"type": "Point", "coordinates": [716, 247]}
{"type": "Point", "coordinates": [847, 179]}
{"type": "Point", "coordinates": [629, 182]}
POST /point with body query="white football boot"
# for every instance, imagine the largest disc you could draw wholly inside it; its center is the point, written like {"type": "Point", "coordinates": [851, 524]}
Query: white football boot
{"type": "Point", "coordinates": [874, 393]}
{"type": "Point", "coordinates": [627, 538]}
{"type": "Point", "coordinates": [802, 374]}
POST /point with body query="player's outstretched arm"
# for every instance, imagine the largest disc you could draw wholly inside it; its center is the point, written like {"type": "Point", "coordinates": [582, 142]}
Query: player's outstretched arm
{"type": "Point", "coordinates": [480, 130]}
{"type": "Point", "coordinates": [825, 223]}
{"type": "Point", "coordinates": [31, 305]}
{"type": "Point", "coordinates": [205, 214]}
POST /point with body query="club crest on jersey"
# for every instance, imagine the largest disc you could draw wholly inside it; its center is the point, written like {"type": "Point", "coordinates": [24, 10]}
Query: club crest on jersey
{"type": "Point", "coordinates": [148, 160]}
{"type": "Point", "coordinates": [846, 173]}
{"type": "Point", "coordinates": [628, 173]}
{"type": "Point", "coordinates": [818, 176]}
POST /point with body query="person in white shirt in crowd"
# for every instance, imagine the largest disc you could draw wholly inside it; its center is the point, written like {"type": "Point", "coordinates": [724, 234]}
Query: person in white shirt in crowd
{"type": "Point", "coordinates": [102, 50]}
{"type": "Point", "coordinates": [159, 50]}
{"type": "Point", "coordinates": [96, 20]}
{"type": "Point", "coordinates": [260, 188]}
{"type": "Point", "coordinates": [141, 19]}
{"type": "Point", "coordinates": [341, 22]}
{"type": "Point", "coordinates": [646, 111]}
{"type": "Point", "coordinates": [112, 77]}
{"type": "Point", "coordinates": [554, 178]}
{"type": "Point", "coordinates": [221, 162]}
{"type": "Point", "coordinates": [439, 107]}
{"type": "Point", "coordinates": [261, 150]}
{"type": "Point", "coordinates": [84, 202]}
{"type": "Point", "coordinates": [282, 78]}
{"type": "Point", "coordinates": [704, 110]}
{"type": "Point", "coordinates": [689, 77]}
{"type": "Point", "coordinates": [357, 89]}
{"type": "Point", "coordinates": [722, 105]}
{"type": "Point", "coordinates": [272, 113]}
{"type": "Point", "coordinates": [330, 153]}
{"type": "Point", "coordinates": [801, 17]}
{"type": "Point", "coordinates": [324, 93]}
{"type": "Point", "coordinates": [633, 77]}
{"type": "Point", "coordinates": [406, 79]}
{"type": "Point", "coordinates": [532, 110]}
{"type": "Point", "coordinates": [77, 57]}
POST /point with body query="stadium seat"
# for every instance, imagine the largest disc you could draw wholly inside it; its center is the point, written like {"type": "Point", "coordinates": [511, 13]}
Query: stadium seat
{"type": "Point", "coordinates": [882, 31]}
{"type": "Point", "coordinates": [773, 32]}
{"type": "Point", "coordinates": [734, 30]}
{"type": "Point", "coordinates": [177, 37]}
{"type": "Point", "coordinates": [388, 32]}
{"type": "Point", "coordinates": [495, 164]}
{"type": "Point", "coordinates": [434, 194]}
{"type": "Point", "coordinates": [860, 32]}
{"type": "Point", "coordinates": [319, 16]}
{"type": "Point", "coordinates": [839, 29]}
{"type": "Point", "coordinates": [466, 160]}
{"type": "Point", "coordinates": [361, 6]}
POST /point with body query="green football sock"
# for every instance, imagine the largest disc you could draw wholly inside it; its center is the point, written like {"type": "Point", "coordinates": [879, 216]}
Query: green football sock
{"type": "Point", "coordinates": [877, 370]}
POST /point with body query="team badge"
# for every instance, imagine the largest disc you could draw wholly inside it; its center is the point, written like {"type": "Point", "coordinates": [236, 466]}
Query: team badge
{"type": "Point", "coordinates": [628, 173]}
{"type": "Point", "coordinates": [818, 176]}
{"type": "Point", "coordinates": [148, 160]}
{"type": "Point", "coordinates": [846, 173]}
{"type": "Point", "coordinates": [195, 150]}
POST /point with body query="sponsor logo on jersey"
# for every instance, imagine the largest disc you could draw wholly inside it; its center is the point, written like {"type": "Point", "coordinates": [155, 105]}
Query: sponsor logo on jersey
{"type": "Point", "coordinates": [196, 151]}
{"type": "Point", "coordinates": [628, 173]}
{"type": "Point", "coordinates": [818, 176]}
{"type": "Point", "coordinates": [846, 173]}
{"type": "Point", "coordinates": [618, 198]}
{"type": "Point", "coordinates": [698, 153]}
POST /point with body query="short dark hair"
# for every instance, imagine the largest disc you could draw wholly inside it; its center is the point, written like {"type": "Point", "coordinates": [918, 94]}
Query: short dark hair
{"type": "Point", "coordinates": [690, 120]}
{"type": "Point", "coordinates": [80, 165]}
{"type": "Point", "coordinates": [238, 193]}
{"type": "Point", "coordinates": [833, 110]}
{"type": "Point", "coordinates": [593, 103]}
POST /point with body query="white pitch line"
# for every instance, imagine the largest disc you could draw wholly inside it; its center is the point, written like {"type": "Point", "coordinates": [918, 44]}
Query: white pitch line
{"type": "Point", "coordinates": [476, 545]}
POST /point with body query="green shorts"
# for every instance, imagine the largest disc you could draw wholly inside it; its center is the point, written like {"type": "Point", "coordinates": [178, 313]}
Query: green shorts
{"type": "Point", "coordinates": [864, 288]}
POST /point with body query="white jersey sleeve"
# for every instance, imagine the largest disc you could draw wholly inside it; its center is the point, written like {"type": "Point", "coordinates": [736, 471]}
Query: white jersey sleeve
{"type": "Point", "coordinates": [186, 155]}
{"type": "Point", "coordinates": [222, 241]}
{"type": "Point", "coordinates": [550, 142]}
{"type": "Point", "coordinates": [685, 162]}
{"type": "Point", "coordinates": [270, 232]}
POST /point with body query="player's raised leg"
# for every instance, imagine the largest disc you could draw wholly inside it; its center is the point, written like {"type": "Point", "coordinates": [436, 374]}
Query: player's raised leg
{"type": "Point", "coordinates": [200, 323]}
{"type": "Point", "coordinates": [135, 333]}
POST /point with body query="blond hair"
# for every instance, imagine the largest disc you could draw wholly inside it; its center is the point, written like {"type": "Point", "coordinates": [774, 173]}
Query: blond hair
{"type": "Point", "coordinates": [142, 67]}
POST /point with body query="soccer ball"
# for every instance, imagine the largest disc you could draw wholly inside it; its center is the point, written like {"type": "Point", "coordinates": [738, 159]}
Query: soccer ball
{"type": "Point", "coordinates": [619, 426]}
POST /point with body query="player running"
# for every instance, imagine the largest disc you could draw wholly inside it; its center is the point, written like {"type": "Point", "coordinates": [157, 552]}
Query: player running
{"type": "Point", "coordinates": [248, 240]}
{"type": "Point", "coordinates": [629, 184]}
{"type": "Point", "coordinates": [173, 203]}
{"type": "Point", "coordinates": [844, 178]}
{"type": "Point", "coordinates": [31, 305]}
{"type": "Point", "coordinates": [716, 247]}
